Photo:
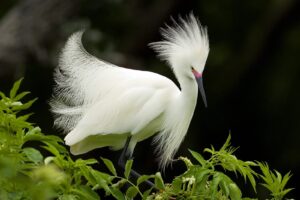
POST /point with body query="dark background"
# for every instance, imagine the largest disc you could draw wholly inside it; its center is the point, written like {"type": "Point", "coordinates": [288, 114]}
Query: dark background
{"type": "Point", "coordinates": [251, 76]}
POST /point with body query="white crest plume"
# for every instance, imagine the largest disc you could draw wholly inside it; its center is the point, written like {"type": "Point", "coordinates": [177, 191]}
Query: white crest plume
{"type": "Point", "coordinates": [99, 104]}
{"type": "Point", "coordinates": [182, 40]}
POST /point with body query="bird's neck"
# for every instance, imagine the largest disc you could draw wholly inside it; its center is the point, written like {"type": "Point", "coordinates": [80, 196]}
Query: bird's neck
{"type": "Point", "coordinates": [189, 92]}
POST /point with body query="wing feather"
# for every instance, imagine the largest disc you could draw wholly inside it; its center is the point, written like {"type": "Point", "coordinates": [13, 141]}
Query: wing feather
{"type": "Point", "coordinates": [126, 113]}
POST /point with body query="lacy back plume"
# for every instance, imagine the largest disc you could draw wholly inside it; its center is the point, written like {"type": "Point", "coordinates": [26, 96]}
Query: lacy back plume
{"type": "Point", "coordinates": [73, 75]}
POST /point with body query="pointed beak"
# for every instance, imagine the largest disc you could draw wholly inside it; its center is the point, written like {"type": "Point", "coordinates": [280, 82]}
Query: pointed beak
{"type": "Point", "coordinates": [199, 80]}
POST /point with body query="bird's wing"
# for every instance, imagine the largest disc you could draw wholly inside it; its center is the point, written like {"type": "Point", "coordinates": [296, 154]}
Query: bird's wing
{"type": "Point", "coordinates": [127, 109]}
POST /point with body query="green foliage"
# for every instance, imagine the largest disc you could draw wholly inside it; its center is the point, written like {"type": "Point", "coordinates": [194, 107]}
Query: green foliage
{"type": "Point", "coordinates": [38, 166]}
{"type": "Point", "coordinates": [205, 180]}
{"type": "Point", "coordinates": [274, 182]}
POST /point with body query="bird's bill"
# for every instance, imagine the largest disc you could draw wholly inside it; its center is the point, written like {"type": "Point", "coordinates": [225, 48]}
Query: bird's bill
{"type": "Point", "coordinates": [199, 80]}
{"type": "Point", "coordinates": [201, 89]}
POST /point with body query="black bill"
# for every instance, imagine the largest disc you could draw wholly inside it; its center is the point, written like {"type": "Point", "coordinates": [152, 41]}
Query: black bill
{"type": "Point", "coordinates": [201, 89]}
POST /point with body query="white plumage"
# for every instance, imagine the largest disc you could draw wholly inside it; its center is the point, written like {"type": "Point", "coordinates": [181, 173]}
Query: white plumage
{"type": "Point", "coordinates": [99, 104]}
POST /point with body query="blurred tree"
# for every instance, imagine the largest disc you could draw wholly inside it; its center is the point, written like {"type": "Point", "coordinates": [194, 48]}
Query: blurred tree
{"type": "Point", "coordinates": [27, 31]}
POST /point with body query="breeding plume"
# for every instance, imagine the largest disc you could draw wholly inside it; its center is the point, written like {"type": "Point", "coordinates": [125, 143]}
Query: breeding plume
{"type": "Point", "coordinates": [99, 104]}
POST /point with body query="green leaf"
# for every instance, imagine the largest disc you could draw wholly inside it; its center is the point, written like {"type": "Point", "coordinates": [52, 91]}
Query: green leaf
{"type": "Point", "coordinates": [24, 117]}
{"type": "Point", "coordinates": [86, 172]}
{"type": "Point", "coordinates": [33, 155]}
{"type": "Point", "coordinates": [211, 151]}
{"type": "Point", "coordinates": [20, 96]}
{"type": "Point", "coordinates": [90, 161]}
{"type": "Point", "coordinates": [117, 193]}
{"type": "Point", "coordinates": [86, 193]}
{"type": "Point", "coordinates": [15, 88]}
{"type": "Point", "coordinates": [68, 197]}
{"type": "Point", "coordinates": [279, 177]}
{"type": "Point", "coordinates": [51, 149]}
{"type": "Point", "coordinates": [110, 166]}
{"type": "Point", "coordinates": [24, 106]}
{"type": "Point", "coordinates": [158, 181]}
{"type": "Point", "coordinates": [33, 131]}
{"type": "Point", "coordinates": [201, 173]}
{"type": "Point", "coordinates": [101, 177]}
{"type": "Point", "coordinates": [142, 179]}
{"type": "Point", "coordinates": [120, 183]}
{"type": "Point", "coordinates": [224, 183]}
{"type": "Point", "coordinates": [177, 185]}
{"type": "Point", "coordinates": [227, 143]}
{"type": "Point", "coordinates": [252, 181]}
{"type": "Point", "coordinates": [215, 184]}
{"type": "Point", "coordinates": [235, 192]}
{"type": "Point", "coordinates": [198, 157]}
{"type": "Point", "coordinates": [131, 192]}
{"type": "Point", "coordinates": [80, 162]}
{"type": "Point", "coordinates": [2, 95]}
{"type": "Point", "coordinates": [224, 187]}
{"type": "Point", "coordinates": [128, 168]}
{"type": "Point", "coordinates": [251, 163]}
{"type": "Point", "coordinates": [147, 193]}
{"type": "Point", "coordinates": [284, 192]}
{"type": "Point", "coordinates": [285, 179]}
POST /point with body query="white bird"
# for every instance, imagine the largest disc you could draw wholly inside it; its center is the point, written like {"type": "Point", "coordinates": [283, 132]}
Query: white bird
{"type": "Point", "coordinates": [99, 104]}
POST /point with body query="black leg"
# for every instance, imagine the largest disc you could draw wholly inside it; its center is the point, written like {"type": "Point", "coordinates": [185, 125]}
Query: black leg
{"type": "Point", "coordinates": [122, 161]}
{"type": "Point", "coordinates": [123, 157]}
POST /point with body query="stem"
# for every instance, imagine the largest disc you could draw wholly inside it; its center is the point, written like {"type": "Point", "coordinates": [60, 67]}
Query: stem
{"type": "Point", "coordinates": [132, 184]}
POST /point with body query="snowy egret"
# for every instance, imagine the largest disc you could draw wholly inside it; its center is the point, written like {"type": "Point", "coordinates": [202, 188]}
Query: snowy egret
{"type": "Point", "coordinates": [99, 104]}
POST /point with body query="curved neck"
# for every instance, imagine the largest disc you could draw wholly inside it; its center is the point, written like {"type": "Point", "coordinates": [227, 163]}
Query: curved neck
{"type": "Point", "coordinates": [189, 91]}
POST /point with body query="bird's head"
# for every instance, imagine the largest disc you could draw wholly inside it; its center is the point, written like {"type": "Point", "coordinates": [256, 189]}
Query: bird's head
{"type": "Point", "coordinates": [185, 47]}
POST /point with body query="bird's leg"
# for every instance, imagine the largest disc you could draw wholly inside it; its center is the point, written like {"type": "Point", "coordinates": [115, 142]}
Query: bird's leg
{"type": "Point", "coordinates": [122, 162]}
{"type": "Point", "coordinates": [123, 158]}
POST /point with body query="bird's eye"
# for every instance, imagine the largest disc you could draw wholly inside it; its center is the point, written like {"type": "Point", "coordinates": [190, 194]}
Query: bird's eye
{"type": "Point", "coordinates": [192, 68]}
